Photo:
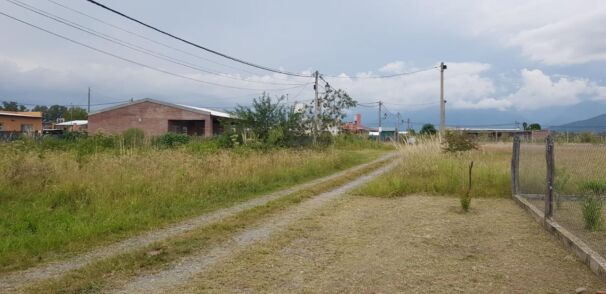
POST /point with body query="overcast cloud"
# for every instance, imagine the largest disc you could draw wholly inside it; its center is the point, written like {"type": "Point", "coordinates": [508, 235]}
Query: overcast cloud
{"type": "Point", "coordinates": [501, 55]}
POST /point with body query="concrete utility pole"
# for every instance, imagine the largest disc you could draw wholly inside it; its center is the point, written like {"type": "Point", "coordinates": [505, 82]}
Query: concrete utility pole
{"type": "Point", "coordinates": [316, 108]}
{"type": "Point", "coordinates": [88, 109]}
{"type": "Point", "coordinates": [380, 105]}
{"type": "Point", "coordinates": [442, 101]}
{"type": "Point", "coordinates": [407, 124]}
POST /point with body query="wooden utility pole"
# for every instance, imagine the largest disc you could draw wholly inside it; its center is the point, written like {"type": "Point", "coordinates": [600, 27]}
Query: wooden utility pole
{"type": "Point", "coordinates": [407, 124]}
{"type": "Point", "coordinates": [549, 156]}
{"type": "Point", "coordinates": [442, 101]}
{"type": "Point", "coordinates": [380, 105]}
{"type": "Point", "coordinates": [316, 108]}
{"type": "Point", "coordinates": [397, 135]}
{"type": "Point", "coordinates": [88, 109]}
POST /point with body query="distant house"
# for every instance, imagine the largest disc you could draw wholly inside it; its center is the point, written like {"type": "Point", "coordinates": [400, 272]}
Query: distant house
{"type": "Point", "coordinates": [72, 126]}
{"type": "Point", "coordinates": [156, 117]}
{"type": "Point", "coordinates": [355, 127]}
{"type": "Point", "coordinates": [20, 122]}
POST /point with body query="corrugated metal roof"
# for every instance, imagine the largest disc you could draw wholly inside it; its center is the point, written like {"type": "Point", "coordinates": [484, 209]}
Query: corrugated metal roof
{"type": "Point", "coordinates": [73, 123]}
{"type": "Point", "coordinates": [212, 112]}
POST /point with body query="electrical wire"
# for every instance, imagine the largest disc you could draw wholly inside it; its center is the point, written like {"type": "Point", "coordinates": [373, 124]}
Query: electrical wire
{"type": "Point", "coordinates": [194, 44]}
{"type": "Point", "coordinates": [381, 77]}
{"type": "Point", "coordinates": [133, 46]}
{"type": "Point", "coordinates": [147, 38]}
{"type": "Point", "coordinates": [129, 60]}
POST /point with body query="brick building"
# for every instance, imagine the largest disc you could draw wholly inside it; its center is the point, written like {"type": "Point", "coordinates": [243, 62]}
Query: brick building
{"type": "Point", "coordinates": [20, 122]}
{"type": "Point", "coordinates": [156, 118]}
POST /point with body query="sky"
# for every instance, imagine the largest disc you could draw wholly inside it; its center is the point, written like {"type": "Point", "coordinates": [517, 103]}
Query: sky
{"type": "Point", "coordinates": [536, 61]}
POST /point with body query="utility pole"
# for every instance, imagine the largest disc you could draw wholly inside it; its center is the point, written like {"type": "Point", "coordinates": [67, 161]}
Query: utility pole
{"type": "Point", "coordinates": [398, 127]}
{"type": "Point", "coordinates": [88, 110]}
{"type": "Point", "coordinates": [380, 105]}
{"type": "Point", "coordinates": [442, 101]}
{"type": "Point", "coordinates": [316, 108]}
{"type": "Point", "coordinates": [407, 124]}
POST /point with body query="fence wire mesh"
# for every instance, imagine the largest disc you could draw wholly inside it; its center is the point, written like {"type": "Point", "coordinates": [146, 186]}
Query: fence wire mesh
{"type": "Point", "coordinates": [579, 188]}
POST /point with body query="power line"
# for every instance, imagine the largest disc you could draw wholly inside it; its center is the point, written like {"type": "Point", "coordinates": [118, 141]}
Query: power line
{"type": "Point", "coordinates": [196, 45]}
{"type": "Point", "coordinates": [130, 60]}
{"type": "Point", "coordinates": [383, 76]}
{"type": "Point", "coordinates": [131, 45]}
{"type": "Point", "coordinates": [147, 38]}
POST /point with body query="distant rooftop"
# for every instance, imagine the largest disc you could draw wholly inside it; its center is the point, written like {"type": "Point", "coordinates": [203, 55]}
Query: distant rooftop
{"type": "Point", "coordinates": [22, 113]}
{"type": "Point", "coordinates": [73, 123]}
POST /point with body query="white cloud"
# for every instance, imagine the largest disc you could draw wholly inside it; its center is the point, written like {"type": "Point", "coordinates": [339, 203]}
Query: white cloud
{"type": "Point", "coordinates": [574, 40]}
{"type": "Point", "coordinates": [554, 32]}
{"type": "Point", "coordinates": [539, 90]}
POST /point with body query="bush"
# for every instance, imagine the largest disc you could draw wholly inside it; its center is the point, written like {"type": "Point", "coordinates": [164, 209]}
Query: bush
{"type": "Point", "coordinates": [458, 142]}
{"type": "Point", "coordinates": [133, 137]}
{"type": "Point", "coordinates": [171, 140]}
{"type": "Point", "coordinates": [592, 204]}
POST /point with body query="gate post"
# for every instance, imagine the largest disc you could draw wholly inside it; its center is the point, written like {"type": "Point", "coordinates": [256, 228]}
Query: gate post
{"type": "Point", "coordinates": [549, 156]}
{"type": "Point", "coordinates": [515, 166]}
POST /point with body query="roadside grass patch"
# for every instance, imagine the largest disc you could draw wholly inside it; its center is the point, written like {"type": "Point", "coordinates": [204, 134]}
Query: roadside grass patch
{"type": "Point", "coordinates": [54, 204]}
{"type": "Point", "coordinates": [425, 169]}
{"type": "Point", "coordinates": [106, 273]}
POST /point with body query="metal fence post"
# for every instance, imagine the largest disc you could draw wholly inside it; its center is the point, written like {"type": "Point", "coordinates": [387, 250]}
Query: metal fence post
{"type": "Point", "coordinates": [549, 156]}
{"type": "Point", "coordinates": [515, 166]}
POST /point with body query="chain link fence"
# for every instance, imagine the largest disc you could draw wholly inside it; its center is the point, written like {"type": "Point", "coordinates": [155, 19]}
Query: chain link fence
{"type": "Point", "coordinates": [578, 186]}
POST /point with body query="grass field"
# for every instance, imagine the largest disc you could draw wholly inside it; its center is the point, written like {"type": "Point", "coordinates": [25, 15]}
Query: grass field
{"type": "Point", "coordinates": [426, 169]}
{"type": "Point", "coordinates": [54, 203]}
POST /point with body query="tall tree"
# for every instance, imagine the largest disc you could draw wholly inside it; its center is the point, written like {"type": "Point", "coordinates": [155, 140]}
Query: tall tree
{"type": "Point", "coordinates": [428, 129]}
{"type": "Point", "coordinates": [12, 106]}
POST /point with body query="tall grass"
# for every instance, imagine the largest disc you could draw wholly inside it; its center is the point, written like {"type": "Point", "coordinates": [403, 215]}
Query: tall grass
{"type": "Point", "coordinates": [425, 169]}
{"type": "Point", "coordinates": [54, 202]}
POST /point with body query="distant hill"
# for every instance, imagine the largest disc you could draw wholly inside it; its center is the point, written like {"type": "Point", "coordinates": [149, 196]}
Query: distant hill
{"type": "Point", "coordinates": [595, 124]}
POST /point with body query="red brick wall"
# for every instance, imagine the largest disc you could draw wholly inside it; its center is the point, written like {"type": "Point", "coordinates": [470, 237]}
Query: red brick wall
{"type": "Point", "coordinates": [151, 117]}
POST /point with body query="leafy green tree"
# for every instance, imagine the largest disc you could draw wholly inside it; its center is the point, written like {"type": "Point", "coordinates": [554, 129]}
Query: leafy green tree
{"type": "Point", "coordinates": [75, 113]}
{"type": "Point", "coordinates": [12, 106]}
{"type": "Point", "coordinates": [334, 104]}
{"type": "Point", "coordinates": [54, 112]}
{"type": "Point", "coordinates": [428, 129]}
{"type": "Point", "coordinates": [269, 121]}
{"type": "Point", "coordinates": [534, 127]}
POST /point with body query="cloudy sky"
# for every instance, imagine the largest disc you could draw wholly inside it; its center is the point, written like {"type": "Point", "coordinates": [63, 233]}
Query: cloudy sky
{"type": "Point", "coordinates": [507, 60]}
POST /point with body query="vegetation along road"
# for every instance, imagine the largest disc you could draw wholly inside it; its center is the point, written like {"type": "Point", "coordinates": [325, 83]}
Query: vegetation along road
{"type": "Point", "coordinates": [390, 225]}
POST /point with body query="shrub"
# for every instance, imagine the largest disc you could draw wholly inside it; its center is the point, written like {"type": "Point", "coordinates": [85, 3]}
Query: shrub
{"type": "Point", "coordinates": [458, 142]}
{"type": "Point", "coordinates": [133, 137]}
{"type": "Point", "coordinates": [592, 204]}
{"type": "Point", "coordinates": [171, 140]}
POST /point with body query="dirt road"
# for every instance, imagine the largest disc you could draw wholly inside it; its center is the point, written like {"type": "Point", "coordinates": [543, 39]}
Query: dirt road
{"type": "Point", "coordinates": [416, 244]}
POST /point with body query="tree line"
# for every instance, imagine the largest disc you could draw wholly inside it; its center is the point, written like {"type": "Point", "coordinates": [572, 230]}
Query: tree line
{"type": "Point", "coordinates": [49, 113]}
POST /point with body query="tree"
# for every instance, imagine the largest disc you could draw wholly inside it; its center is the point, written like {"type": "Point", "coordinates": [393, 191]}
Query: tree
{"type": "Point", "coordinates": [12, 106]}
{"type": "Point", "coordinates": [75, 113]}
{"type": "Point", "coordinates": [531, 127]}
{"type": "Point", "coordinates": [428, 129]}
{"type": "Point", "coordinates": [270, 121]}
{"type": "Point", "coordinates": [334, 104]}
{"type": "Point", "coordinates": [534, 127]}
{"type": "Point", "coordinates": [54, 112]}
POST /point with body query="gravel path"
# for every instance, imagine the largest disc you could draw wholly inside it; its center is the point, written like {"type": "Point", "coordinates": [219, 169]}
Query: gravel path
{"type": "Point", "coordinates": [15, 280]}
{"type": "Point", "coordinates": [188, 267]}
{"type": "Point", "coordinates": [413, 244]}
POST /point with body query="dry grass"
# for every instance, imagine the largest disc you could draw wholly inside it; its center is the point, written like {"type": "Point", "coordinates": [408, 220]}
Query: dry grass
{"type": "Point", "coordinates": [414, 244]}
{"type": "Point", "coordinates": [105, 274]}
{"type": "Point", "coordinates": [426, 169]}
{"type": "Point", "coordinates": [56, 203]}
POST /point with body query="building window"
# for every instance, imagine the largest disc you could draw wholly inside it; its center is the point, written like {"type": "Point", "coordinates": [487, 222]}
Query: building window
{"type": "Point", "coordinates": [25, 128]}
{"type": "Point", "coordinates": [1, 127]}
